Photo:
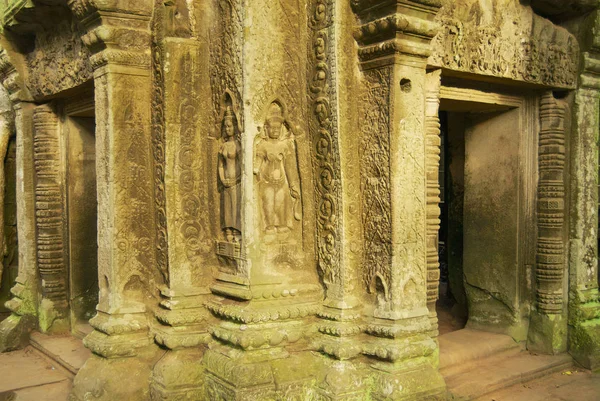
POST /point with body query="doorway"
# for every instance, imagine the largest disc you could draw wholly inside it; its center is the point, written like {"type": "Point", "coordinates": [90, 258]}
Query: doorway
{"type": "Point", "coordinates": [82, 212]}
{"type": "Point", "coordinates": [487, 234]}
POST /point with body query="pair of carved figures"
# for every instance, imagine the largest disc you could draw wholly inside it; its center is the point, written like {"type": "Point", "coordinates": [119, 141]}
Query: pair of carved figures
{"type": "Point", "coordinates": [275, 170]}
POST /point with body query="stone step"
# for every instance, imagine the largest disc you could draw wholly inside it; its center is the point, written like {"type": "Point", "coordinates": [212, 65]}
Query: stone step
{"type": "Point", "coordinates": [66, 350]}
{"type": "Point", "coordinates": [481, 377]}
{"type": "Point", "coordinates": [459, 347]}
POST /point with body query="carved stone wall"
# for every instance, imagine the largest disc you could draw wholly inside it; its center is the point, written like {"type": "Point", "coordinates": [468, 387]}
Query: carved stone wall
{"type": "Point", "coordinates": [268, 198]}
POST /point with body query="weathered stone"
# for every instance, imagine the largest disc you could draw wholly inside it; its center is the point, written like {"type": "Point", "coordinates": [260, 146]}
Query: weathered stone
{"type": "Point", "coordinates": [244, 200]}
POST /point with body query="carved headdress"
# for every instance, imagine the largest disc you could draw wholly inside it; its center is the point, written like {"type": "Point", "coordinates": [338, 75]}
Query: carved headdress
{"type": "Point", "coordinates": [275, 113]}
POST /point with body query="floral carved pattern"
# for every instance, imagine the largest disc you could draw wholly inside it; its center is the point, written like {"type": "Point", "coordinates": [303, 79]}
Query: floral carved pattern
{"type": "Point", "coordinates": [325, 137]}
{"type": "Point", "coordinates": [158, 148]}
{"type": "Point", "coordinates": [375, 175]}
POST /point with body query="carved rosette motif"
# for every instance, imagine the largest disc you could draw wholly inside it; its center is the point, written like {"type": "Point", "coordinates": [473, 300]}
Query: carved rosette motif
{"type": "Point", "coordinates": [49, 207]}
{"type": "Point", "coordinates": [158, 149]}
{"type": "Point", "coordinates": [375, 178]}
{"type": "Point", "coordinates": [550, 268]}
{"type": "Point", "coordinates": [325, 137]}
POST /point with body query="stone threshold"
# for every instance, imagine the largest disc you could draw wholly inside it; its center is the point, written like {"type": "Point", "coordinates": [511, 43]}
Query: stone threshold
{"type": "Point", "coordinates": [65, 350]}
{"type": "Point", "coordinates": [475, 363]}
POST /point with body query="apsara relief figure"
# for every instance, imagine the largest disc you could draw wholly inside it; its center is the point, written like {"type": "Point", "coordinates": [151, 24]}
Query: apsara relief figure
{"type": "Point", "coordinates": [276, 170]}
{"type": "Point", "coordinates": [230, 172]}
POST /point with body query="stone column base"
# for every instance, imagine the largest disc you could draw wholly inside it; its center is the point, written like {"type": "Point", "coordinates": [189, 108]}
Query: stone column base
{"type": "Point", "coordinates": [14, 332]}
{"type": "Point", "coordinates": [547, 334]}
{"type": "Point", "coordinates": [110, 379]}
{"type": "Point", "coordinates": [342, 381]}
{"type": "Point", "coordinates": [399, 382]}
{"type": "Point", "coordinates": [265, 374]}
{"type": "Point", "coordinates": [584, 342]}
{"type": "Point", "coordinates": [179, 376]}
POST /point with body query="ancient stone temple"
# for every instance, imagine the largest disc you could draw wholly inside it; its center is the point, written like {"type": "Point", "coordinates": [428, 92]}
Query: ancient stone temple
{"type": "Point", "coordinates": [253, 199]}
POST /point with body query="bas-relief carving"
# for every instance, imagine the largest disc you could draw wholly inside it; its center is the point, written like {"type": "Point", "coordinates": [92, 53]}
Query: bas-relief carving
{"type": "Point", "coordinates": [229, 179]}
{"type": "Point", "coordinates": [229, 168]}
{"type": "Point", "coordinates": [375, 183]}
{"type": "Point", "coordinates": [276, 172]}
{"type": "Point", "coordinates": [158, 148]}
{"type": "Point", "coordinates": [323, 129]}
{"type": "Point", "coordinates": [226, 42]}
{"type": "Point", "coordinates": [58, 61]}
{"type": "Point", "coordinates": [507, 41]}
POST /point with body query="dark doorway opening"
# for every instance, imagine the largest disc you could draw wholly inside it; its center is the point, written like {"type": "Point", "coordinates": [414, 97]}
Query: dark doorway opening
{"type": "Point", "coordinates": [82, 220]}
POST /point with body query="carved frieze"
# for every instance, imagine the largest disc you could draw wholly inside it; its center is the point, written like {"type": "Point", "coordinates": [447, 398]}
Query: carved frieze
{"type": "Point", "coordinates": [59, 60]}
{"type": "Point", "coordinates": [506, 42]}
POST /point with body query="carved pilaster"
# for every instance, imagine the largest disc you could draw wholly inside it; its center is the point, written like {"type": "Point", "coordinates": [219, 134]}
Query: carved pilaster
{"type": "Point", "coordinates": [14, 331]}
{"type": "Point", "coordinates": [550, 267]}
{"type": "Point", "coordinates": [340, 323]}
{"type": "Point", "coordinates": [50, 217]}
{"type": "Point", "coordinates": [432, 163]}
{"type": "Point", "coordinates": [396, 128]}
{"type": "Point", "coordinates": [584, 298]}
{"type": "Point", "coordinates": [119, 37]}
{"type": "Point", "coordinates": [547, 332]}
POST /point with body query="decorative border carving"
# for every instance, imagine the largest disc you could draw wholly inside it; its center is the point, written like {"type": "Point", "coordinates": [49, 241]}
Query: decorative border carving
{"type": "Point", "coordinates": [324, 131]}
{"type": "Point", "coordinates": [158, 149]}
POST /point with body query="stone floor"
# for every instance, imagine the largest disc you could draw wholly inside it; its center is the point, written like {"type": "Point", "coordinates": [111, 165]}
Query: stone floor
{"type": "Point", "coordinates": [569, 385]}
{"type": "Point", "coordinates": [27, 375]}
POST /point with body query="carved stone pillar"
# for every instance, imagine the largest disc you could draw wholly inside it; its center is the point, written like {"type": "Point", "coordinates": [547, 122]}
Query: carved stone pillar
{"type": "Point", "coordinates": [266, 289]}
{"type": "Point", "coordinates": [394, 43]}
{"type": "Point", "coordinates": [339, 239]}
{"type": "Point", "coordinates": [548, 329]}
{"type": "Point", "coordinates": [432, 163]}
{"type": "Point", "coordinates": [119, 37]}
{"type": "Point", "coordinates": [181, 185]}
{"type": "Point", "coordinates": [49, 220]}
{"type": "Point", "coordinates": [14, 330]}
{"type": "Point", "coordinates": [584, 298]}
